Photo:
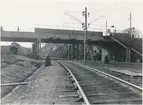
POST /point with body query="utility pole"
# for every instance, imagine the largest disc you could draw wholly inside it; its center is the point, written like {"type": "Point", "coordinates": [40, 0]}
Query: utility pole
{"type": "Point", "coordinates": [130, 34]}
{"type": "Point", "coordinates": [130, 23]}
{"type": "Point", "coordinates": [85, 33]}
{"type": "Point", "coordinates": [106, 28]}
{"type": "Point", "coordinates": [128, 50]}
{"type": "Point", "coordinates": [84, 26]}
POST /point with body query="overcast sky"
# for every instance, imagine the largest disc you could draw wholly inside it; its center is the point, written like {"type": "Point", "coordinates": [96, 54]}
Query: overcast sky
{"type": "Point", "coordinates": [28, 14]}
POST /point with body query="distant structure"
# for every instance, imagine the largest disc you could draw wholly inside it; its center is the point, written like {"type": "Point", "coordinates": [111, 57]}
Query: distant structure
{"type": "Point", "coordinates": [17, 28]}
{"type": "Point", "coordinates": [14, 48]}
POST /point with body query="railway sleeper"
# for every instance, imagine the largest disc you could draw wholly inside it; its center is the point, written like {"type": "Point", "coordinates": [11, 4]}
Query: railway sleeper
{"type": "Point", "coordinates": [109, 101]}
{"type": "Point", "coordinates": [107, 94]}
{"type": "Point", "coordinates": [75, 88]}
{"type": "Point", "coordinates": [68, 96]}
{"type": "Point", "coordinates": [80, 99]}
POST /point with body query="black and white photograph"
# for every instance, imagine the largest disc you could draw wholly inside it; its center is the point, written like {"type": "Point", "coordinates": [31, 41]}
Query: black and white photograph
{"type": "Point", "coordinates": [71, 52]}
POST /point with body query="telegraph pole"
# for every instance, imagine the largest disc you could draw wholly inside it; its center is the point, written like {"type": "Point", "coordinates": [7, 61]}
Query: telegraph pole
{"type": "Point", "coordinates": [106, 28]}
{"type": "Point", "coordinates": [130, 22]}
{"type": "Point", "coordinates": [85, 33]}
{"type": "Point", "coordinates": [130, 34]}
{"type": "Point", "coordinates": [128, 50]}
{"type": "Point", "coordinates": [84, 26]}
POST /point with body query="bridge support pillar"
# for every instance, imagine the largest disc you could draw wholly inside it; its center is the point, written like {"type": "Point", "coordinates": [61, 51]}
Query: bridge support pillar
{"type": "Point", "coordinates": [104, 53]}
{"type": "Point", "coordinates": [1, 29]}
{"type": "Point", "coordinates": [36, 47]}
{"type": "Point", "coordinates": [128, 53]}
{"type": "Point", "coordinates": [82, 49]}
{"type": "Point", "coordinates": [69, 51]}
{"type": "Point", "coordinates": [77, 49]}
{"type": "Point", "coordinates": [73, 51]}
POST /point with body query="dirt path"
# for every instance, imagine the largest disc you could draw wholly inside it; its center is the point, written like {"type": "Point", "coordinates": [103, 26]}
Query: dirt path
{"type": "Point", "coordinates": [42, 89]}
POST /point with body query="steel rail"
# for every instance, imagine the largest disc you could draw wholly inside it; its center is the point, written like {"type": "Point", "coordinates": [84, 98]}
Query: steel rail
{"type": "Point", "coordinates": [16, 83]}
{"type": "Point", "coordinates": [78, 85]}
{"type": "Point", "coordinates": [111, 76]}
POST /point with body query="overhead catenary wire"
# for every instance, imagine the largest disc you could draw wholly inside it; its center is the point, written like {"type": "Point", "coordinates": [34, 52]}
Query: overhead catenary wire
{"type": "Point", "coordinates": [70, 23]}
{"type": "Point", "coordinates": [75, 27]}
{"type": "Point", "coordinates": [95, 19]}
{"type": "Point", "coordinates": [56, 26]}
{"type": "Point", "coordinates": [73, 17]}
{"type": "Point", "coordinates": [75, 11]}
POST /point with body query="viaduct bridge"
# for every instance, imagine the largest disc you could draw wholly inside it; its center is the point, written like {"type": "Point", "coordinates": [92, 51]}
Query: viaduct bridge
{"type": "Point", "coordinates": [72, 37]}
{"type": "Point", "coordinates": [41, 35]}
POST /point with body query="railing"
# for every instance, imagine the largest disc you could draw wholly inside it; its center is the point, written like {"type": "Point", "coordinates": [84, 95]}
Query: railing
{"type": "Point", "coordinates": [129, 41]}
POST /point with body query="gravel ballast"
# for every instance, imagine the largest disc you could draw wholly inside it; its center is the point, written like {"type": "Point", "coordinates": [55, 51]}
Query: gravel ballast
{"type": "Point", "coordinates": [44, 87]}
{"type": "Point", "coordinates": [130, 72]}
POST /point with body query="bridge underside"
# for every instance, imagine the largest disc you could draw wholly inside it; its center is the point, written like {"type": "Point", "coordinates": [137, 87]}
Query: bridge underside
{"type": "Point", "coordinates": [72, 37]}
{"type": "Point", "coordinates": [9, 39]}
{"type": "Point", "coordinates": [56, 40]}
{"type": "Point", "coordinates": [72, 42]}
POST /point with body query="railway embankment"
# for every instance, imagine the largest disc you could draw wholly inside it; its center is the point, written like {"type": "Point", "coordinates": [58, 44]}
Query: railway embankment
{"type": "Point", "coordinates": [17, 69]}
{"type": "Point", "coordinates": [48, 85]}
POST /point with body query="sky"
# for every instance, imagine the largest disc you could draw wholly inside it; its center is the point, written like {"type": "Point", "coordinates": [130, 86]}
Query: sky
{"type": "Point", "coordinates": [28, 14]}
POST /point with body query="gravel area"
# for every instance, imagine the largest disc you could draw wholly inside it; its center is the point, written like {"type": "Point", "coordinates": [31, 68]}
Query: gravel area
{"type": "Point", "coordinates": [44, 88]}
{"type": "Point", "coordinates": [100, 89]}
{"type": "Point", "coordinates": [129, 72]}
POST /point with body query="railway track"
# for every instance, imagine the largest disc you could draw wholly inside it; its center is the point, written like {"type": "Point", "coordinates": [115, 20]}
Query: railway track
{"type": "Point", "coordinates": [96, 87]}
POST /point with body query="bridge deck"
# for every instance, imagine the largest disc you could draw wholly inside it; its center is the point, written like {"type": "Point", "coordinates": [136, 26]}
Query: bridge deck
{"type": "Point", "coordinates": [52, 36]}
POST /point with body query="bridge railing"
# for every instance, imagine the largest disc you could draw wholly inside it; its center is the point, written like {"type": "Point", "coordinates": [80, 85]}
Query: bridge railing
{"type": "Point", "coordinates": [129, 41]}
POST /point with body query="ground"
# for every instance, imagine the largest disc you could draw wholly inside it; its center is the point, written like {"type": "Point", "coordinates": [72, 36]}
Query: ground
{"type": "Point", "coordinates": [43, 88]}
{"type": "Point", "coordinates": [45, 85]}
{"type": "Point", "coordinates": [16, 69]}
{"type": "Point", "coordinates": [131, 72]}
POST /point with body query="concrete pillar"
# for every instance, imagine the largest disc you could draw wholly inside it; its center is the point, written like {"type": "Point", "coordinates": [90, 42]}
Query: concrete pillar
{"type": "Point", "coordinates": [90, 52]}
{"type": "Point", "coordinates": [69, 51]}
{"type": "Point", "coordinates": [73, 51]}
{"type": "Point", "coordinates": [128, 54]}
{"type": "Point", "coordinates": [82, 49]}
{"type": "Point", "coordinates": [1, 29]}
{"type": "Point", "coordinates": [103, 54]}
{"type": "Point", "coordinates": [39, 45]}
{"type": "Point", "coordinates": [36, 47]}
{"type": "Point", "coordinates": [77, 49]}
